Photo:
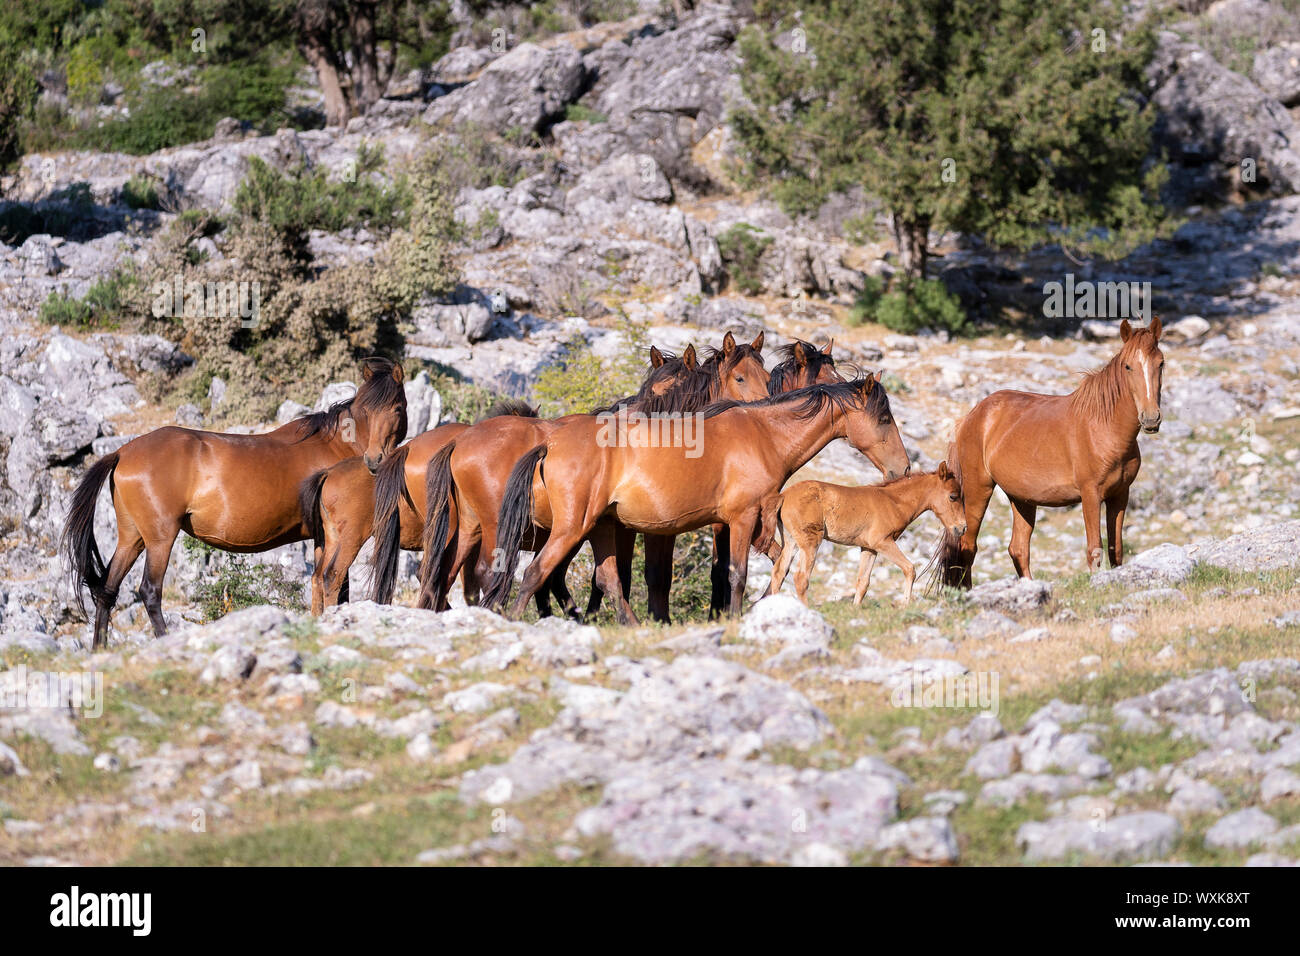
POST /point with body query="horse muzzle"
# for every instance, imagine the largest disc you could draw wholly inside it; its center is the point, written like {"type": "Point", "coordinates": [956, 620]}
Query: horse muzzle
{"type": "Point", "coordinates": [372, 464]}
{"type": "Point", "coordinates": [958, 530]}
{"type": "Point", "coordinates": [1150, 423]}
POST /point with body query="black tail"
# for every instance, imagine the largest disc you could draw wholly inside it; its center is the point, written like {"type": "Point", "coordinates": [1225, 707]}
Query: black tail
{"type": "Point", "coordinates": [390, 486]}
{"type": "Point", "coordinates": [946, 567]}
{"type": "Point", "coordinates": [309, 493]}
{"type": "Point", "coordinates": [514, 520]}
{"type": "Point", "coordinates": [438, 488]}
{"type": "Point", "coordinates": [81, 558]}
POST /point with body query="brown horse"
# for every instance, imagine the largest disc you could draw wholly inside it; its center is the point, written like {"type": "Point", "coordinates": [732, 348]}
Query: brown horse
{"type": "Point", "coordinates": [1059, 450]}
{"type": "Point", "coordinates": [871, 517]}
{"type": "Point", "coordinates": [469, 477]}
{"type": "Point", "coordinates": [235, 492]}
{"type": "Point", "coordinates": [576, 479]}
{"type": "Point", "coordinates": [339, 505]}
{"type": "Point", "coordinates": [802, 364]}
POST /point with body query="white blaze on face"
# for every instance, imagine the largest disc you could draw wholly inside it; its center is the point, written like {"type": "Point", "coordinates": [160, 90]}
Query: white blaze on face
{"type": "Point", "coordinates": [1148, 380]}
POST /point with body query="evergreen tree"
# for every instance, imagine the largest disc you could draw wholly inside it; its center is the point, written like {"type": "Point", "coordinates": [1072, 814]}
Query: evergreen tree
{"type": "Point", "coordinates": [1015, 120]}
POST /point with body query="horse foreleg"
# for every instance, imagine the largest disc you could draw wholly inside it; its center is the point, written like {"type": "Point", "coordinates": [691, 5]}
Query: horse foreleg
{"type": "Point", "coordinates": [1116, 505]}
{"type": "Point", "coordinates": [1023, 515]}
{"type": "Point", "coordinates": [742, 536]}
{"type": "Point", "coordinates": [977, 495]}
{"type": "Point", "coordinates": [890, 549]}
{"type": "Point", "coordinates": [658, 573]}
{"type": "Point", "coordinates": [865, 564]}
{"type": "Point", "coordinates": [1092, 526]}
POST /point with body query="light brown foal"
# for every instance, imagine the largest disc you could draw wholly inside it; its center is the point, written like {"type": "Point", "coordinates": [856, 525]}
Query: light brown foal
{"type": "Point", "coordinates": [871, 517]}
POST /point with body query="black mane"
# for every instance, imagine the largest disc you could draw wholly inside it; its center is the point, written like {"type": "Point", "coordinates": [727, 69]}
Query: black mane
{"type": "Point", "coordinates": [378, 391]}
{"type": "Point", "coordinates": [689, 391]}
{"type": "Point", "coordinates": [509, 406]}
{"type": "Point", "coordinates": [813, 398]}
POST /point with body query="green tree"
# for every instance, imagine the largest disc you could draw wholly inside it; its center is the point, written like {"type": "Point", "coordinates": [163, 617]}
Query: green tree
{"type": "Point", "coordinates": [1015, 120]}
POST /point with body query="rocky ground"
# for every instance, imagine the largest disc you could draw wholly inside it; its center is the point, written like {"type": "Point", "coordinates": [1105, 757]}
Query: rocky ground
{"type": "Point", "coordinates": [1146, 714]}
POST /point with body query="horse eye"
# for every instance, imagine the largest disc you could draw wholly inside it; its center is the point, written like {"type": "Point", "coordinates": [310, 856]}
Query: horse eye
{"type": "Point", "coordinates": [1128, 368]}
{"type": "Point", "coordinates": [740, 378]}
{"type": "Point", "coordinates": [954, 496]}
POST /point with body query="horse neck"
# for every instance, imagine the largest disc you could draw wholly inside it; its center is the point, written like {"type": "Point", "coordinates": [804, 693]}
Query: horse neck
{"type": "Point", "coordinates": [798, 440]}
{"type": "Point", "coordinates": [1118, 420]}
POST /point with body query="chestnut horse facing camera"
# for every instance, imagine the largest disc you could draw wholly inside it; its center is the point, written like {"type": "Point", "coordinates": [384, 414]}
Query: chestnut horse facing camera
{"type": "Point", "coordinates": [235, 492]}
{"type": "Point", "coordinates": [1059, 450]}
{"type": "Point", "coordinates": [574, 484]}
{"type": "Point", "coordinates": [871, 517]}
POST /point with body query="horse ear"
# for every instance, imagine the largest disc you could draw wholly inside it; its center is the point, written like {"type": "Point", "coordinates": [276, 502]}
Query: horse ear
{"type": "Point", "coordinates": [757, 344]}
{"type": "Point", "coordinates": [367, 371]}
{"type": "Point", "coordinates": [829, 345]}
{"type": "Point", "coordinates": [398, 372]}
{"type": "Point", "coordinates": [944, 473]}
{"type": "Point", "coordinates": [688, 358]}
{"type": "Point", "coordinates": [656, 357]}
{"type": "Point", "coordinates": [1155, 327]}
{"type": "Point", "coordinates": [879, 376]}
{"type": "Point", "coordinates": [1125, 331]}
{"type": "Point", "coordinates": [868, 384]}
{"type": "Point", "coordinates": [800, 355]}
{"type": "Point", "coordinates": [728, 344]}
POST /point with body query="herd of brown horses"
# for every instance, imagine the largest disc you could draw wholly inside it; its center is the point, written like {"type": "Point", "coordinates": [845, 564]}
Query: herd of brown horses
{"type": "Point", "coordinates": [472, 497]}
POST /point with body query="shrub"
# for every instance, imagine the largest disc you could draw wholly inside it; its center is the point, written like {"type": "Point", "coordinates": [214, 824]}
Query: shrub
{"type": "Point", "coordinates": [742, 248]}
{"type": "Point", "coordinates": [141, 192]}
{"type": "Point", "coordinates": [922, 304]}
{"type": "Point", "coordinates": [239, 582]}
{"type": "Point", "coordinates": [102, 306]}
{"type": "Point", "coordinates": [581, 382]}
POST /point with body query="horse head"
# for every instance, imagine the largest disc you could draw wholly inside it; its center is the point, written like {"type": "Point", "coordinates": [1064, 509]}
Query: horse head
{"type": "Point", "coordinates": [871, 429]}
{"type": "Point", "coordinates": [379, 409]}
{"type": "Point", "coordinates": [738, 370]}
{"type": "Point", "coordinates": [1144, 369]}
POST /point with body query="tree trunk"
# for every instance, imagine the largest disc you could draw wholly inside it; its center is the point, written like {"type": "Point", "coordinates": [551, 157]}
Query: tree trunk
{"type": "Point", "coordinates": [365, 56]}
{"type": "Point", "coordinates": [912, 237]}
{"type": "Point", "coordinates": [336, 102]}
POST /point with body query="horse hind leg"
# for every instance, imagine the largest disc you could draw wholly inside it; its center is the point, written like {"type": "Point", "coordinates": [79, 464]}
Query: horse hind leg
{"type": "Point", "coordinates": [157, 553]}
{"type": "Point", "coordinates": [129, 547]}
{"type": "Point", "coordinates": [1023, 515]}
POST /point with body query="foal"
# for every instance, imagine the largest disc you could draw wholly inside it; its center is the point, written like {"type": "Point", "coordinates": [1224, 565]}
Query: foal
{"type": "Point", "coordinates": [871, 517]}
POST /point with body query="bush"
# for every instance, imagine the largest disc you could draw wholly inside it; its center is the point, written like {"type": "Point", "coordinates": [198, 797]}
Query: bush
{"type": "Point", "coordinates": [141, 192]}
{"type": "Point", "coordinates": [742, 248]}
{"type": "Point", "coordinates": [239, 582]}
{"type": "Point", "coordinates": [303, 200]}
{"type": "Point", "coordinates": [101, 308]}
{"type": "Point", "coordinates": [580, 382]}
{"type": "Point", "coordinates": [923, 304]}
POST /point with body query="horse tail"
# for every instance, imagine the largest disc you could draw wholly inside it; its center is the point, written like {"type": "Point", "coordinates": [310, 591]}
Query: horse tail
{"type": "Point", "coordinates": [769, 524]}
{"type": "Point", "coordinates": [390, 485]}
{"type": "Point", "coordinates": [513, 521]}
{"type": "Point", "coordinates": [309, 494]}
{"type": "Point", "coordinates": [438, 487]}
{"type": "Point", "coordinates": [81, 558]}
{"type": "Point", "coordinates": [946, 562]}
